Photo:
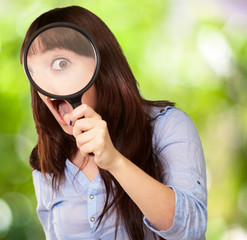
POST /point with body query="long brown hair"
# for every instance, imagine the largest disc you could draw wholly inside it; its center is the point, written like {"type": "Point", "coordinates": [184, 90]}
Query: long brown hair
{"type": "Point", "coordinates": [119, 104]}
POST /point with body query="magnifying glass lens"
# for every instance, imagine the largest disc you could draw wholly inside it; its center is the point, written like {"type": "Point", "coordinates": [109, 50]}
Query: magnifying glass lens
{"type": "Point", "coordinates": [61, 61]}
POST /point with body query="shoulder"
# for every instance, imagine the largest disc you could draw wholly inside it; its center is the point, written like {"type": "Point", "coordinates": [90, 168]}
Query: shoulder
{"type": "Point", "coordinates": [162, 113]}
{"type": "Point", "coordinates": [170, 117]}
{"type": "Point", "coordinates": [171, 125]}
{"type": "Point", "coordinates": [38, 176]}
{"type": "Point", "coordinates": [159, 114]}
{"type": "Point", "coordinates": [41, 182]}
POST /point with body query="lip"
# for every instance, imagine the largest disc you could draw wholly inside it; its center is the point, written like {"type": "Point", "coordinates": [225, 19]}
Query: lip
{"type": "Point", "coordinates": [54, 103]}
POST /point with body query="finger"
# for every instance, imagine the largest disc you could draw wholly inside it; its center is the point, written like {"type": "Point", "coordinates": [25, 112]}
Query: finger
{"type": "Point", "coordinates": [84, 138]}
{"type": "Point", "coordinates": [83, 111]}
{"type": "Point", "coordinates": [84, 125]}
{"type": "Point", "coordinates": [66, 118]}
{"type": "Point", "coordinates": [87, 148]}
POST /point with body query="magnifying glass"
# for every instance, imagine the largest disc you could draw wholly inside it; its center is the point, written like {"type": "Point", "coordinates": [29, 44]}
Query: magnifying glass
{"type": "Point", "coordinates": [61, 61]}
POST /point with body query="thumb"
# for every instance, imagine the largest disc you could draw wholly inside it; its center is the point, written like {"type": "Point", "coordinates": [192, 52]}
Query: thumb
{"type": "Point", "coordinates": [66, 118]}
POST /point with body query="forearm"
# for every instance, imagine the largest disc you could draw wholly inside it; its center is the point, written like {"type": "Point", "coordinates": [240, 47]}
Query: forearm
{"type": "Point", "coordinates": [155, 200]}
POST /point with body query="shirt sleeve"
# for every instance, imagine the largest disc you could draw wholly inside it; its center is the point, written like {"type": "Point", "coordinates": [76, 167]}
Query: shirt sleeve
{"type": "Point", "coordinates": [43, 211]}
{"type": "Point", "coordinates": [178, 146]}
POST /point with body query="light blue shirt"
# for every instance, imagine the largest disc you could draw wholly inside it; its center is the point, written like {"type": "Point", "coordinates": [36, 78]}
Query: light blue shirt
{"type": "Point", "coordinates": [71, 213]}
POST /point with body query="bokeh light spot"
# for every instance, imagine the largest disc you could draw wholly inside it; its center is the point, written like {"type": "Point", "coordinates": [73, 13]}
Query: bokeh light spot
{"type": "Point", "coordinates": [21, 207]}
{"type": "Point", "coordinates": [5, 218]}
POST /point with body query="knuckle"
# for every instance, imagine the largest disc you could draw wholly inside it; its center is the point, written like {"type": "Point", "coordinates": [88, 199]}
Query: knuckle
{"type": "Point", "coordinates": [101, 134]}
{"type": "Point", "coordinates": [104, 124]}
{"type": "Point", "coordinates": [84, 106]}
{"type": "Point", "coordinates": [98, 117]}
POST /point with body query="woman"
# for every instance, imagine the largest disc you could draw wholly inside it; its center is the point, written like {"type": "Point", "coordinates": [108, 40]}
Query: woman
{"type": "Point", "coordinates": [147, 177]}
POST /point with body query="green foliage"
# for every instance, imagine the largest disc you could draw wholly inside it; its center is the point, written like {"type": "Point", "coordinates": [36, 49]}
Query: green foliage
{"type": "Point", "coordinates": [190, 53]}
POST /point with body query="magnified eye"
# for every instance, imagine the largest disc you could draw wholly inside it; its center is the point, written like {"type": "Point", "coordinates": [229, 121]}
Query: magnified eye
{"type": "Point", "coordinates": [60, 64]}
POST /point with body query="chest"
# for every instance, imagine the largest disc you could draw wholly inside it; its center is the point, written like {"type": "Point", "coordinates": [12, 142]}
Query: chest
{"type": "Point", "coordinates": [76, 208]}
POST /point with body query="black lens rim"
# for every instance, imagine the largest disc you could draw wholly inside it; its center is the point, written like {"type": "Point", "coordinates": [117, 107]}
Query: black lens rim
{"type": "Point", "coordinates": [71, 97]}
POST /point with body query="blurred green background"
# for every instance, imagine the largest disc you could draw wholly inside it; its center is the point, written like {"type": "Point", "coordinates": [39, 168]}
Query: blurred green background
{"type": "Point", "coordinates": [188, 51]}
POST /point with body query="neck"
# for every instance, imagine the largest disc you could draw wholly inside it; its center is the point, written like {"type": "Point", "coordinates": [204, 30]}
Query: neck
{"type": "Point", "coordinates": [86, 164]}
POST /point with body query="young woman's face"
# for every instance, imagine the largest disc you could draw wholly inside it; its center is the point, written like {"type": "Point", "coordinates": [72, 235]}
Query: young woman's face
{"type": "Point", "coordinates": [62, 72]}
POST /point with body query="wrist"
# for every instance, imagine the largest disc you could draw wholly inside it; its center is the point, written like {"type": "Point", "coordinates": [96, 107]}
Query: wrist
{"type": "Point", "coordinates": [118, 164]}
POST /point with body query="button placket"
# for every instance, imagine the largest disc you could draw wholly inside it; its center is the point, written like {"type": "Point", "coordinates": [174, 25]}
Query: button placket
{"type": "Point", "coordinates": [92, 202]}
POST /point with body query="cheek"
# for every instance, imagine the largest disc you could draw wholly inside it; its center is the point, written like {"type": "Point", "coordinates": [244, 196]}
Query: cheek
{"type": "Point", "coordinates": [90, 97]}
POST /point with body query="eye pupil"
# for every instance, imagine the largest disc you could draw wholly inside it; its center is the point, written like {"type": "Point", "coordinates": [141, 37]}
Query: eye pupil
{"type": "Point", "coordinates": [60, 64]}
{"type": "Point", "coordinates": [63, 64]}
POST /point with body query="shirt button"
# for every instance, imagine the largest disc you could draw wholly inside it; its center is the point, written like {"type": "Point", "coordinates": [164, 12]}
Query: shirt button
{"type": "Point", "coordinates": [92, 219]}
{"type": "Point", "coordinates": [162, 110]}
{"type": "Point", "coordinates": [91, 196]}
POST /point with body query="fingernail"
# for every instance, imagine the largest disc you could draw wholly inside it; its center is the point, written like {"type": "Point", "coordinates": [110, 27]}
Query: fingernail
{"type": "Point", "coordinates": [70, 122]}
